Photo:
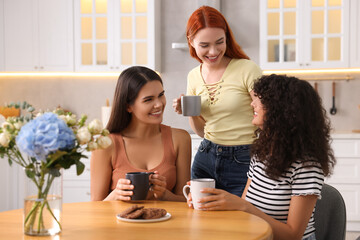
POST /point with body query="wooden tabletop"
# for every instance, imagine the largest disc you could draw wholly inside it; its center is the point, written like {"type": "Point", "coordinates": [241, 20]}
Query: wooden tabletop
{"type": "Point", "coordinates": [97, 220]}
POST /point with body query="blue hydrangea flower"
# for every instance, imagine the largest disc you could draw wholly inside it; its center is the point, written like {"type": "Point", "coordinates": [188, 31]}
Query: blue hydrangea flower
{"type": "Point", "coordinates": [44, 135]}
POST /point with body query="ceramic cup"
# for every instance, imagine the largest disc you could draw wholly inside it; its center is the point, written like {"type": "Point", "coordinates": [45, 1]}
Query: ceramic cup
{"type": "Point", "coordinates": [195, 186]}
{"type": "Point", "coordinates": [191, 105]}
{"type": "Point", "coordinates": [141, 183]}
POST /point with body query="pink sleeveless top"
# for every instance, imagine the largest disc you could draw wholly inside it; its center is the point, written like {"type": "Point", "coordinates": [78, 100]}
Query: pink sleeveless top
{"type": "Point", "coordinates": [167, 167]}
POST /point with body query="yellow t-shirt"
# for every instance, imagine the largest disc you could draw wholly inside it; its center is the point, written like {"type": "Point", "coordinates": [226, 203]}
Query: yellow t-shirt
{"type": "Point", "coordinates": [225, 105]}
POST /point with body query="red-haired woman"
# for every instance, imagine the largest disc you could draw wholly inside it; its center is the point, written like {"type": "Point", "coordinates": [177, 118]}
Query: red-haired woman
{"type": "Point", "coordinates": [224, 80]}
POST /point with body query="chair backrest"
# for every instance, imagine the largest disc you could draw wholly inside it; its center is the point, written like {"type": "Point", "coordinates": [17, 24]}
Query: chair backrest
{"type": "Point", "coordinates": [330, 215]}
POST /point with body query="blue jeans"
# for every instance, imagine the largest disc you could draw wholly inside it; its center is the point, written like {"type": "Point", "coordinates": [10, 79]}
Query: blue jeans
{"type": "Point", "coordinates": [228, 165]}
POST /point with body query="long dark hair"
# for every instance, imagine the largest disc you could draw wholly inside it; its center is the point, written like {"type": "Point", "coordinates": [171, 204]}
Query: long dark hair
{"type": "Point", "coordinates": [130, 82]}
{"type": "Point", "coordinates": [295, 127]}
{"type": "Point", "coordinates": [206, 16]}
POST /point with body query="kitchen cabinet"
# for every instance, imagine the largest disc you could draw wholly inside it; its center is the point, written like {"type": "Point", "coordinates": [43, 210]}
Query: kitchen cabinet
{"type": "Point", "coordinates": [38, 35]}
{"type": "Point", "coordinates": [346, 175]}
{"type": "Point", "coordinates": [299, 34]}
{"type": "Point", "coordinates": [111, 35]}
{"type": "Point", "coordinates": [355, 33]}
{"type": "Point", "coordinates": [75, 188]}
{"type": "Point", "coordinates": [2, 49]}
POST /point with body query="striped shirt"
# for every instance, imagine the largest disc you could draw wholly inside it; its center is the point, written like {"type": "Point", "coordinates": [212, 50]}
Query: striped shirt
{"type": "Point", "coordinates": [273, 196]}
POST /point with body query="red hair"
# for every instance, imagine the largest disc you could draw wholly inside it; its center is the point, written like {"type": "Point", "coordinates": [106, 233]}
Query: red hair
{"type": "Point", "coordinates": [206, 16]}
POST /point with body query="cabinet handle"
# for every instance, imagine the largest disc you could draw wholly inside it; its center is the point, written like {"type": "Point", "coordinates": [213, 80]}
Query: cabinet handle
{"type": "Point", "coordinates": [308, 64]}
{"type": "Point", "coordinates": [111, 67]}
{"type": "Point", "coordinates": [301, 64]}
{"type": "Point", "coordinates": [41, 67]}
{"type": "Point", "coordinates": [36, 67]}
{"type": "Point", "coordinates": [88, 193]}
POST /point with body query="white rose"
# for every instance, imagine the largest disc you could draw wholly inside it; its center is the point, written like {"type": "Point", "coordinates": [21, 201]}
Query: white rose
{"type": "Point", "coordinates": [4, 139]}
{"type": "Point", "coordinates": [104, 141]}
{"type": "Point", "coordinates": [95, 127]}
{"type": "Point", "coordinates": [70, 119]}
{"type": "Point", "coordinates": [18, 125]}
{"type": "Point", "coordinates": [7, 125]}
{"type": "Point", "coordinates": [92, 146]}
{"type": "Point", "coordinates": [62, 117]}
{"type": "Point", "coordinates": [83, 135]}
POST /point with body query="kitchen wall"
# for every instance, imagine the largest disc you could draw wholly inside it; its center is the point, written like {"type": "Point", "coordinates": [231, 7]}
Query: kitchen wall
{"type": "Point", "coordinates": [88, 94]}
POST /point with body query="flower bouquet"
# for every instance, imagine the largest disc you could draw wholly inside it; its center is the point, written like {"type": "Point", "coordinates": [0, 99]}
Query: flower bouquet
{"type": "Point", "coordinates": [44, 144]}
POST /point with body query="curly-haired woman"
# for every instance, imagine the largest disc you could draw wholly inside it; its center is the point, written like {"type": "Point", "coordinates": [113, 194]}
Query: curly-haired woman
{"type": "Point", "coordinates": [290, 158]}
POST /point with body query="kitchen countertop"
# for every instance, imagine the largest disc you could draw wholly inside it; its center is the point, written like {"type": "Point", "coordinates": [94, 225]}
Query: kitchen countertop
{"type": "Point", "coordinates": [345, 134]}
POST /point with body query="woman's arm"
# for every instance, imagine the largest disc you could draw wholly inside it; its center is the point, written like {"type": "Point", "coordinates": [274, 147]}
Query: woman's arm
{"type": "Point", "coordinates": [100, 173]}
{"type": "Point", "coordinates": [300, 211]}
{"type": "Point", "coordinates": [100, 178]}
{"type": "Point", "coordinates": [182, 146]}
{"type": "Point", "coordinates": [197, 124]}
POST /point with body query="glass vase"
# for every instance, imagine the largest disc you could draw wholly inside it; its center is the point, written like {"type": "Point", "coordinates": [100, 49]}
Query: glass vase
{"type": "Point", "coordinates": [43, 203]}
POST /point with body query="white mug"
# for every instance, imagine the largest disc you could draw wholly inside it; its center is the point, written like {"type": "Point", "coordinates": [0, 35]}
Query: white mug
{"type": "Point", "coordinates": [195, 186]}
{"type": "Point", "coordinates": [191, 105]}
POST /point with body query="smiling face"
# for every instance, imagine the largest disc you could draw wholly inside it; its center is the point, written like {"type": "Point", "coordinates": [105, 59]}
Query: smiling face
{"type": "Point", "coordinates": [210, 45]}
{"type": "Point", "coordinates": [259, 112]}
{"type": "Point", "coordinates": [149, 104]}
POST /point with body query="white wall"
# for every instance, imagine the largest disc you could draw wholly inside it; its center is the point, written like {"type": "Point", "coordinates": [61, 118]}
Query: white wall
{"type": "Point", "coordinates": [88, 94]}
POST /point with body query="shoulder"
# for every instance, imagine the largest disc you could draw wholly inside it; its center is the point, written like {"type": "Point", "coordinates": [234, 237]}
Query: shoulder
{"type": "Point", "coordinates": [195, 72]}
{"type": "Point", "coordinates": [104, 154]}
{"type": "Point", "coordinates": [245, 66]}
{"type": "Point", "coordinates": [180, 133]}
{"type": "Point", "coordinates": [180, 137]}
{"type": "Point", "coordinates": [306, 167]}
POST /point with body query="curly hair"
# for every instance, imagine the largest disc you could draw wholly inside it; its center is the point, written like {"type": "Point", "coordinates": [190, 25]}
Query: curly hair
{"type": "Point", "coordinates": [295, 128]}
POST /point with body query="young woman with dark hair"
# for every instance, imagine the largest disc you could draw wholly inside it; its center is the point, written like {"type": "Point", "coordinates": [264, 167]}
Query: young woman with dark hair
{"type": "Point", "coordinates": [224, 80]}
{"type": "Point", "coordinates": [140, 142]}
{"type": "Point", "coordinates": [290, 158]}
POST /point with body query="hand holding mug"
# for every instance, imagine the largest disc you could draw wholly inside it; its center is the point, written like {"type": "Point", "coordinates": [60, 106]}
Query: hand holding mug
{"type": "Point", "coordinates": [141, 184]}
{"type": "Point", "coordinates": [158, 185]}
{"type": "Point", "coordinates": [177, 104]}
{"type": "Point", "coordinates": [123, 190]}
{"type": "Point", "coordinates": [196, 186]}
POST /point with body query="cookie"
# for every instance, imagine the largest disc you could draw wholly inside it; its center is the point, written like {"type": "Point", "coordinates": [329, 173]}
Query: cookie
{"type": "Point", "coordinates": [136, 214]}
{"type": "Point", "coordinates": [153, 213]}
{"type": "Point", "coordinates": [129, 210]}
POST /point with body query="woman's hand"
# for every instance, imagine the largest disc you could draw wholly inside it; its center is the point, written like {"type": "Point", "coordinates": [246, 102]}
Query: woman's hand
{"type": "Point", "coordinates": [221, 200]}
{"type": "Point", "coordinates": [123, 190]}
{"type": "Point", "coordinates": [158, 185]}
{"type": "Point", "coordinates": [177, 104]}
{"type": "Point", "coordinates": [189, 198]}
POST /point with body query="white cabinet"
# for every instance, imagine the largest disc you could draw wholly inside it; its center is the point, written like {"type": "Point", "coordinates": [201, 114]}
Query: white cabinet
{"type": "Point", "coordinates": [355, 33]}
{"type": "Point", "coordinates": [38, 35]}
{"type": "Point", "coordinates": [111, 35]}
{"type": "Point", "coordinates": [346, 176]}
{"type": "Point", "coordinates": [77, 188]}
{"type": "Point", "coordinates": [297, 34]}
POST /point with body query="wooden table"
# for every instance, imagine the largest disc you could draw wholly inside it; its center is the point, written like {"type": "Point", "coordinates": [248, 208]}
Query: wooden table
{"type": "Point", "coordinates": [97, 221]}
